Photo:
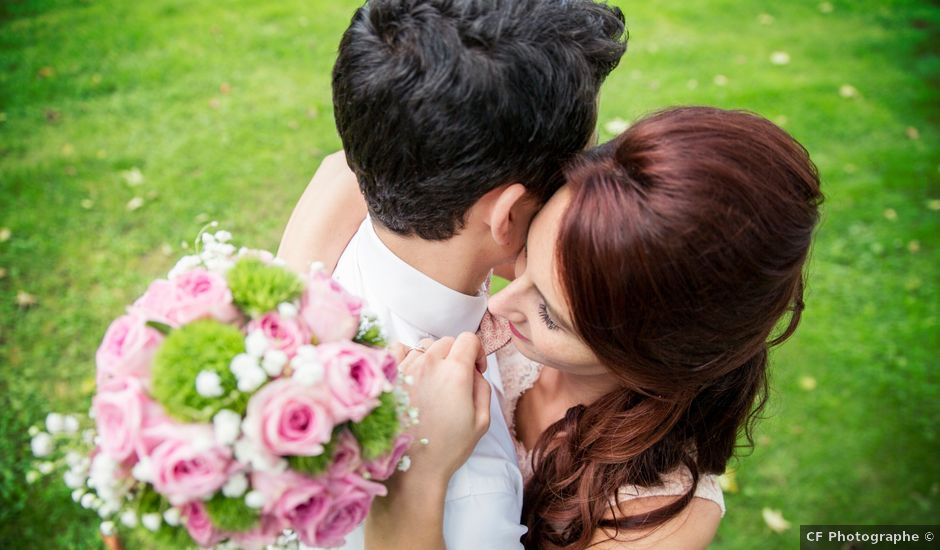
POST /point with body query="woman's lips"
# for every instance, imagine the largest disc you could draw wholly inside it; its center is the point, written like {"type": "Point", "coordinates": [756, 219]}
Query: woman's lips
{"type": "Point", "coordinates": [517, 334]}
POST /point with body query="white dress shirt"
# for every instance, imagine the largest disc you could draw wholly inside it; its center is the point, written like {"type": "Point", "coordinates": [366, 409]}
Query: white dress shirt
{"type": "Point", "coordinates": [483, 505]}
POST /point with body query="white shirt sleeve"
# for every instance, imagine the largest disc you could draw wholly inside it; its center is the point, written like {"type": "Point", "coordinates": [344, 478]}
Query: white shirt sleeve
{"type": "Point", "coordinates": [483, 506]}
{"type": "Point", "coordinates": [482, 521]}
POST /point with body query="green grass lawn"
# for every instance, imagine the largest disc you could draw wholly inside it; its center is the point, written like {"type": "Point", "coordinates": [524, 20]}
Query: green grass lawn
{"type": "Point", "coordinates": [125, 126]}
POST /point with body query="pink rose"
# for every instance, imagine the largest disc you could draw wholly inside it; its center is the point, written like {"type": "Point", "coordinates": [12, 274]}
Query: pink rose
{"type": "Point", "coordinates": [155, 302]}
{"type": "Point", "coordinates": [272, 485]}
{"type": "Point", "coordinates": [287, 418]}
{"type": "Point", "coordinates": [303, 505]}
{"type": "Point", "coordinates": [354, 377]}
{"type": "Point", "coordinates": [347, 456]}
{"type": "Point", "coordinates": [383, 467]}
{"type": "Point", "coordinates": [328, 310]}
{"type": "Point", "coordinates": [263, 535]}
{"type": "Point", "coordinates": [155, 427]}
{"type": "Point", "coordinates": [351, 499]}
{"type": "Point", "coordinates": [119, 414]}
{"type": "Point", "coordinates": [387, 364]}
{"type": "Point", "coordinates": [188, 296]}
{"type": "Point", "coordinates": [127, 349]}
{"type": "Point", "coordinates": [286, 334]}
{"type": "Point", "coordinates": [200, 528]}
{"type": "Point", "coordinates": [189, 465]}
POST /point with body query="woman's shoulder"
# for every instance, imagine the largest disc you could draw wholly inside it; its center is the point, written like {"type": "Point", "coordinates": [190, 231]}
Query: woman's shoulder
{"type": "Point", "coordinates": [694, 527]}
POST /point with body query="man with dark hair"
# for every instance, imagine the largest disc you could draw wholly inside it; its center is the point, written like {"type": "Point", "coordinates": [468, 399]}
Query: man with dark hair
{"type": "Point", "coordinates": [438, 103]}
{"type": "Point", "coordinates": [456, 117]}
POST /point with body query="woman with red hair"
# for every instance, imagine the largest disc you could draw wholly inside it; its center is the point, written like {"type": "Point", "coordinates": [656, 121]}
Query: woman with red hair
{"type": "Point", "coordinates": [649, 292]}
{"type": "Point", "coordinates": [635, 333]}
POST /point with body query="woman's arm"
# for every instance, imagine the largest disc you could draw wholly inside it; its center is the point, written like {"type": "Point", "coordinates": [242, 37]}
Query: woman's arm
{"type": "Point", "coordinates": [453, 401]}
{"type": "Point", "coordinates": [325, 218]}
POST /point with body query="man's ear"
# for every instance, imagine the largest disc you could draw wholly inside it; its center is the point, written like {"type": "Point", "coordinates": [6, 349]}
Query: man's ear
{"type": "Point", "coordinates": [502, 215]}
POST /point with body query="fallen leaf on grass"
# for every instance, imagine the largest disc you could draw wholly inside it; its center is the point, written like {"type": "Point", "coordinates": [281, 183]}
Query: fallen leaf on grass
{"type": "Point", "coordinates": [848, 91]}
{"type": "Point", "coordinates": [45, 72]}
{"type": "Point", "coordinates": [616, 126]}
{"type": "Point", "coordinates": [912, 133]}
{"type": "Point", "coordinates": [913, 247]}
{"type": "Point", "coordinates": [774, 520]}
{"type": "Point", "coordinates": [25, 299]}
{"type": "Point", "coordinates": [135, 203]}
{"type": "Point", "coordinates": [729, 481]}
{"type": "Point", "coordinates": [808, 383]}
{"type": "Point", "coordinates": [933, 204]}
{"type": "Point", "coordinates": [133, 177]}
{"type": "Point", "coordinates": [780, 58]}
{"type": "Point", "coordinates": [3, 273]}
{"type": "Point", "coordinates": [5, 234]}
{"type": "Point", "coordinates": [891, 214]}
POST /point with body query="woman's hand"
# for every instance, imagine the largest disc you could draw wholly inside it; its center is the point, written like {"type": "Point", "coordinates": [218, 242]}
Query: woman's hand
{"type": "Point", "coordinates": [453, 402]}
{"type": "Point", "coordinates": [325, 218]}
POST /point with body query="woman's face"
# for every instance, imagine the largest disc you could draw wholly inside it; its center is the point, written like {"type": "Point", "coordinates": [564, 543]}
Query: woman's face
{"type": "Point", "coordinates": [534, 304]}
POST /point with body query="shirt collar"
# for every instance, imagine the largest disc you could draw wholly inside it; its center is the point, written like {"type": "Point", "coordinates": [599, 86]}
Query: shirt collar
{"type": "Point", "coordinates": [416, 298]}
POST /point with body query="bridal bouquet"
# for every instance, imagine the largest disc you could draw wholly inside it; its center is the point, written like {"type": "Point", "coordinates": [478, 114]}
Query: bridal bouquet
{"type": "Point", "coordinates": [236, 403]}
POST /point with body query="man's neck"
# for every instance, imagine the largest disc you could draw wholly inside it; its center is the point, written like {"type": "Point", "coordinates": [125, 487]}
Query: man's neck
{"type": "Point", "coordinates": [455, 263]}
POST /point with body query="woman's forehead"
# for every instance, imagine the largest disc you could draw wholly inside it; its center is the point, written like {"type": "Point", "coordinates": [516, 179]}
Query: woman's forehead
{"type": "Point", "coordinates": [543, 231]}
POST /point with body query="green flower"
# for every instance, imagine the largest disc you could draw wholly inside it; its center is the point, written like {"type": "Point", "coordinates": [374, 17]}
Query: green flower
{"type": "Point", "coordinates": [316, 465]}
{"type": "Point", "coordinates": [231, 514]}
{"type": "Point", "coordinates": [377, 432]}
{"type": "Point", "coordinates": [370, 333]}
{"type": "Point", "coordinates": [201, 346]}
{"type": "Point", "coordinates": [258, 288]}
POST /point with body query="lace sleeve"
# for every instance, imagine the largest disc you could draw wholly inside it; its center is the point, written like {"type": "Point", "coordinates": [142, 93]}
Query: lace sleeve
{"type": "Point", "coordinates": [676, 484]}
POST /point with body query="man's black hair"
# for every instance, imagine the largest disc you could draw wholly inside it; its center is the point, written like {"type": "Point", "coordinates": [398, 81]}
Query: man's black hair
{"type": "Point", "coordinates": [438, 102]}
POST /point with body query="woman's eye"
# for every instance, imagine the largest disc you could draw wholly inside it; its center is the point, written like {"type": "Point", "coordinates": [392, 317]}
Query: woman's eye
{"type": "Point", "coordinates": [543, 313]}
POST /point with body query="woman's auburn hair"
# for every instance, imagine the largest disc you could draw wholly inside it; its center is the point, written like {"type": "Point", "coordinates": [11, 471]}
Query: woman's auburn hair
{"type": "Point", "coordinates": [682, 248]}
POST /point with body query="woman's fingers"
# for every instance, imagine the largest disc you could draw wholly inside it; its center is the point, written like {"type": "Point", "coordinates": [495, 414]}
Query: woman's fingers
{"type": "Point", "coordinates": [399, 351]}
{"type": "Point", "coordinates": [468, 349]}
{"type": "Point", "coordinates": [439, 349]}
{"type": "Point", "coordinates": [481, 402]}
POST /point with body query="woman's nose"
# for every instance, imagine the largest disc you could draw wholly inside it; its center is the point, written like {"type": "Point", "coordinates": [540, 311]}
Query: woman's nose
{"type": "Point", "coordinates": [504, 303]}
